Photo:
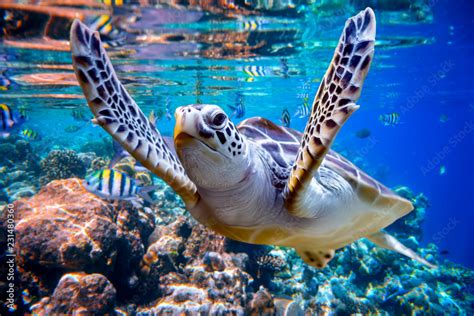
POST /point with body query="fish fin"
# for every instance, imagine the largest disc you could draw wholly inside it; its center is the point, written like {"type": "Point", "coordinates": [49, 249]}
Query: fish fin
{"type": "Point", "coordinates": [115, 159]}
{"type": "Point", "coordinates": [144, 192]}
{"type": "Point", "coordinates": [119, 114]}
{"type": "Point", "coordinates": [387, 241]}
{"type": "Point", "coordinates": [316, 258]}
{"type": "Point", "coordinates": [10, 123]}
{"type": "Point", "coordinates": [333, 105]}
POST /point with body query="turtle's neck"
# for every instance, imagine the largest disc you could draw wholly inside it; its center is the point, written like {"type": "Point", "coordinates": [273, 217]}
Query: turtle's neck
{"type": "Point", "coordinates": [247, 203]}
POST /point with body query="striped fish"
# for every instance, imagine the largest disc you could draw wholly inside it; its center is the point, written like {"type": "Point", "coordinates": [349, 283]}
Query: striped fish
{"type": "Point", "coordinates": [113, 185]}
{"type": "Point", "coordinates": [113, 3]}
{"type": "Point", "coordinates": [303, 109]}
{"type": "Point", "coordinates": [30, 134]}
{"type": "Point", "coordinates": [255, 71]}
{"type": "Point", "coordinates": [390, 119]}
{"type": "Point", "coordinates": [8, 120]}
{"type": "Point", "coordinates": [252, 25]}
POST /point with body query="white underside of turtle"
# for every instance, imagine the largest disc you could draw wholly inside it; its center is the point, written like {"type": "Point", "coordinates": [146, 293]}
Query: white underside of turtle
{"type": "Point", "coordinates": [259, 182]}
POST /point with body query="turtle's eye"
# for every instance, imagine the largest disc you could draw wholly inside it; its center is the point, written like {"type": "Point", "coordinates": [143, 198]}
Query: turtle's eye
{"type": "Point", "coordinates": [218, 119]}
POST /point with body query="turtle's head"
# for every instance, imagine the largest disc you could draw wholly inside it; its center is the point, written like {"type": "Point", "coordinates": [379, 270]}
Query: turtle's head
{"type": "Point", "coordinates": [209, 146]}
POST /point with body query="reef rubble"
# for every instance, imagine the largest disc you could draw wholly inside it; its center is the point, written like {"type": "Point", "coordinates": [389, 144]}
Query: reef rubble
{"type": "Point", "coordinates": [77, 253]}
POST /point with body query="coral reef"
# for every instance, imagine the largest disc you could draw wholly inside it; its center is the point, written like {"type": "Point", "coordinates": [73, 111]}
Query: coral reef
{"type": "Point", "coordinates": [61, 164]}
{"type": "Point", "coordinates": [79, 294]}
{"type": "Point", "coordinates": [65, 228]}
{"type": "Point", "coordinates": [73, 246]}
{"type": "Point", "coordinates": [19, 169]}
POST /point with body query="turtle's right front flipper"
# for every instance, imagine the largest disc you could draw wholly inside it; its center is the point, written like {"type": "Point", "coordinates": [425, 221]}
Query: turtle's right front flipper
{"type": "Point", "coordinates": [120, 116]}
{"type": "Point", "coordinates": [333, 105]}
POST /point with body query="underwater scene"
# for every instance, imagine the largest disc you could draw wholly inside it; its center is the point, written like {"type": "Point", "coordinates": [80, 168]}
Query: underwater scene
{"type": "Point", "coordinates": [189, 157]}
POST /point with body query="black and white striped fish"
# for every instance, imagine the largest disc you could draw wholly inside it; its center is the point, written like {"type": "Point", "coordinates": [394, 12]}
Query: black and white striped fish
{"type": "Point", "coordinates": [390, 119]}
{"type": "Point", "coordinates": [113, 185]}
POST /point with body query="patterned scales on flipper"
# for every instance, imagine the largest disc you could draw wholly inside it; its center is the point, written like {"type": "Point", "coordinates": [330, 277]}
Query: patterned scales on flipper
{"type": "Point", "coordinates": [282, 144]}
{"type": "Point", "coordinates": [120, 116]}
{"type": "Point", "coordinates": [333, 104]}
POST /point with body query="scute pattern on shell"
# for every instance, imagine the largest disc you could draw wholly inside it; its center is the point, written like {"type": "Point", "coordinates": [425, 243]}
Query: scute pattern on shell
{"type": "Point", "coordinates": [282, 143]}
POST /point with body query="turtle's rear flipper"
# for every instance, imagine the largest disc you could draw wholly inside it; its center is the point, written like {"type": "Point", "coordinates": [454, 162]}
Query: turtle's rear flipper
{"type": "Point", "coordinates": [120, 116]}
{"type": "Point", "coordinates": [387, 241]}
{"type": "Point", "coordinates": [316, 258]}
{"type": "Point", "coordinates": [334, 103]}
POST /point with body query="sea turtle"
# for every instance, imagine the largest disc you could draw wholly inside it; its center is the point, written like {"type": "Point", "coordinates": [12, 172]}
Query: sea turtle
{"type": "Point", "coordinates": [258, 182]}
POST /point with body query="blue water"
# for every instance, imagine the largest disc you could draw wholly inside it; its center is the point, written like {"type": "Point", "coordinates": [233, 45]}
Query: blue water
{"type": "Point", "coordinates": [422, 71]}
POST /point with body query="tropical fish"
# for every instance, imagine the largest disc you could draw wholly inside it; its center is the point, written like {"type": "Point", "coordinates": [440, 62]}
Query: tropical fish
{"type": "Point", "coordinates": [102, 24]}
{"type": "Point", "coordinates": [239, 108]}
{"type": "Point", "coordinates": [442, 170]}
{"type": "Point", "coordinates": [113, 185]}
{"type": "Point", "coordinates": [443, 118]}
{"type": "Point", "coordinates": [30, 134]}
{"type": "Point", "coordinates": [79, 115]}
{"type": "Point", "coordinates": [115, 3]}
{"type": "Point", "coordinates": [255, 71]}
{"type": "Point", "coordinates": [252, 25]}
{"type": "Point", "coordinates": [363, 133]}
{"type": "Point", "coordinates": [72, 128]}
{"type": "Point", "coordinates": [303, 109]}
{"type": "Point", "coordinates": [22, 111]}
{"type": "Point", "coordinates": [285, 118]}
{"type": "Point", "coordinates": [397, 292]}
{"type": "Point", "coordinates": [390, 119]}
{"type": "Point", "coordinates": [9, 120]}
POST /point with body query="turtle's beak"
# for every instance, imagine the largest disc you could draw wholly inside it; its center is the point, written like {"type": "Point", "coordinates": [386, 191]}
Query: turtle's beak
{"type": "Point", "coordinates": [190, 129]}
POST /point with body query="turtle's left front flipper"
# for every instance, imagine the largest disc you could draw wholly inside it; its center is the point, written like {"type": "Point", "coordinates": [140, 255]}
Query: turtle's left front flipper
{"type": "Point", "coordinates": [334, 103]}
{"type": "Point", "coordinates": [120, 116]}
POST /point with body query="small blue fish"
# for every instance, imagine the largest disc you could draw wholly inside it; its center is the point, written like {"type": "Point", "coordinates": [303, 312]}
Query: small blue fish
{"type": "Point", "coordinates": [363, 133]}
{"type": "Point", "coordinates": [390, 119]}
{"type": "Point", "coordinates": [442, 170]}
{"type": "Point", "coordinates": [23, 112]}
{"type": "Point", "coordinates": [285, 118]}
{"type": "Point", "coordinates": [239, 109]}
{"type": "Point", "coordinates": [113, 185]}
{"type": "Point", "coordinates": [443, 118]}
{"type": "Point", "coordinates": [30, 134]}
{"type": "Point", "coordinates": [9, 120]}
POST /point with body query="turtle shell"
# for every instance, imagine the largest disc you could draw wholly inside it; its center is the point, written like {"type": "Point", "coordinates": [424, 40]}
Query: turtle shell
{"type": "Point", "coordinates": [282, 145]}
